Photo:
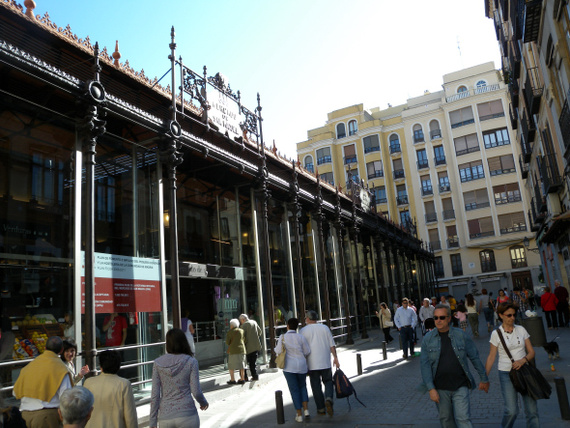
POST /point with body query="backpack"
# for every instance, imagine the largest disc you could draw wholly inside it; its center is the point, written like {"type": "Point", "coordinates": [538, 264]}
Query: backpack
{"type": "Point", "coordinates": [343, 387]}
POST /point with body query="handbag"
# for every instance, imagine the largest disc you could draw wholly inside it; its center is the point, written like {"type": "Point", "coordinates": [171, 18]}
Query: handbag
{"type": "Point", "coordinates": [280, 360]}
{"type": "Point", "coordinates": [527, 380]}
{"type": "Point", "coordinates": [387, 323]}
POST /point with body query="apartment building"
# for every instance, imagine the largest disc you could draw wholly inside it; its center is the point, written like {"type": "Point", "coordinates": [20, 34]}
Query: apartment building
{"type": "Point", "coordinates": [444, 165]}
{"type": "Point", "coordinates": [534, 40]}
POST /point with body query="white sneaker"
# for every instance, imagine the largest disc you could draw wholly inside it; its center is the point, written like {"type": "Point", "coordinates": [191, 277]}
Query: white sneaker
{"type": "Point", "coordinates": [298, 418]}
{"type": "Point", "coordinates": [307, 414]}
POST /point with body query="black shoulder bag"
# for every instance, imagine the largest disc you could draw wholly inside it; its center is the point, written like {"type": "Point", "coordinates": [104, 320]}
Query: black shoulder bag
{"type": "Point", "coordinates": [527, 380]}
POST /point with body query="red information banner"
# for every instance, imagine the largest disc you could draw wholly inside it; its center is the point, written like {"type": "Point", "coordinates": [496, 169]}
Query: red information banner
{"type": "Point", "coordinates": [124, 284]}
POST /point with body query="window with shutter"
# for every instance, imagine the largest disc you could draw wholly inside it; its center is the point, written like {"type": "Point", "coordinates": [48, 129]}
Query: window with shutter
{"type": "Point", "coordinates": [486, 224]}
{"type": "Point", "coordinates": [324, 156]}
{"type": "Point", "coordinates": [371, 144]}
{"type": "Point", "coordinates": [508, 163]}
{"type": "Point", "coordinates": [349, 154]}
{"type": "Point", "coordinates": [495, 166]}
{"type": "Point", "coordinates": [470, 201]}
{"type": "Point", "coordinates": [461, 117]}
{"type": "Point", "coordinates": [340, 130]}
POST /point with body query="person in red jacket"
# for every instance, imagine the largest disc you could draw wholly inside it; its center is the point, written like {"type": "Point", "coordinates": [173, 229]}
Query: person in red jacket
{"type": "Point", "coordinates": [562, 308]}
{"type": "Point", "coordinates": [548, 301]}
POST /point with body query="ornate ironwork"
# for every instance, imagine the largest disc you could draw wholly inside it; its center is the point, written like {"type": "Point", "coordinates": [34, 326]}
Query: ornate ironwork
{"type": "Point", "coordinates": [220, 82]}
{"type": "Point", "coordinates": [339, 230]}
{"type": "Point", "coordinates": [195, 85]}
{"type": "Point", "coordinates": [295, 207]}
{"type": "Point", "coordinates": [321, 218]}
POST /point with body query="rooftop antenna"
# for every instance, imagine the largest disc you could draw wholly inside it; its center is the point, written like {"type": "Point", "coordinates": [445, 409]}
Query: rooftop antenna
{"type": "Point", "coordinates": [459, 49]}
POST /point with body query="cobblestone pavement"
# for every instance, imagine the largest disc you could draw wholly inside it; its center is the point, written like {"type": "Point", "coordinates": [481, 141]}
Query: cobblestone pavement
{"type": "Point", "coordinates": [388, 388]}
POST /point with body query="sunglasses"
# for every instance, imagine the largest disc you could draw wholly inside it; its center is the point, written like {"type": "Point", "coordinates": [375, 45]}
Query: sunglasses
{"type": "Point", "coordinates": [440, 318]}
{"type": "Point", "coordinates": [509, 315]}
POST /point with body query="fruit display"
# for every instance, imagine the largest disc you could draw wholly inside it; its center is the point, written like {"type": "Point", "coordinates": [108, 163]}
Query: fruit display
{"type": "Point", "coordinates": [32, 333]}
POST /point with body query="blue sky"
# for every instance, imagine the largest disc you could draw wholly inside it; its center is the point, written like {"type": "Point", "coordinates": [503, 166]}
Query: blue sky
{"type": "Point", "coordinates": [305, 58]}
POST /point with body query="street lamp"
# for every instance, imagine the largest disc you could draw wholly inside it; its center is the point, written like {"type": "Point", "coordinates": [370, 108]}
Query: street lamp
{"type": "Point", "coordinates": [526, 243]}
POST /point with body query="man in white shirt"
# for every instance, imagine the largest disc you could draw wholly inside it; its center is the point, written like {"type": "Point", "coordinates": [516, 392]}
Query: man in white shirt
{"type": "Point", "coordinates": [322, 346]}
{"type": "Point", "coordinates": [406, 319]}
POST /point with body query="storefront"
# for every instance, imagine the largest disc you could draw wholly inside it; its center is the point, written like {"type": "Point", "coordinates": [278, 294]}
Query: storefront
{"type": "Point", "coordinates": [116, 198]}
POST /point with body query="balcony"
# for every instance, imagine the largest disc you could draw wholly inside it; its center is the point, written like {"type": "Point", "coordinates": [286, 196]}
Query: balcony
{"type": "Point", "coordinates": [419, 137]}
{"type": "Point", "coordinates": [423, 164]}
{"type": "Point", "coordinates": [448, 214]}
{"type": "Point", "coordinates": [467, 94]}
{"type": "Point", "coordinates": [514, 92]}
{"type": "Point", "coordinates": [516, 12]}
{"type": "Point", "coordinates": [443, 188]}
{"type": "Point", "coordinates": [349, 160]}
{"type": "Point", "coordinates": [482, 234]}
{"type": "Point", "coordinates": [435, 134]}
{"type": "Point", "coordinates": [502, 40]}
{"type": "Point", "coordinates": [439, 160]}
{"type": "Point", "coordinates": [427, 191]}
{"type": "Point", "coordinates": [371, 149]}
{"type": "Point", "coordinates": [532, 15]}
{"type": "Point", "coordinates": [551, 178]}
{"type": "Point", "coordinates": [453, 242]}
{"type": "Point", "coordinates": [513, 115]}
{"type": "Point", "coordinates": [431, 217]}
{"type": "Point", "coordinates": [468, 150]}
{"type": "Point", "coordinates": [402, 200]}
{"type": "Point", "coordinates": [324, 159]}
{"type": "Point", "coordinates": [533, 89]}
{"type": "Point", "coordinates": [381, 201]}
{"type": "Point", "coordinates": [395, 148]}
{"type": "Point", "coordinates": [310, 167]}
{"type": "Point", "coordinates": [496, 172]}
{"type": "Point", "coordinates": [376, 174]}
{"type": "Point", "coordinates": [524, 167]}
{"type": "Point", "coordinates": [476, 205]}
{"type": "Point", "coordinates": [564, 122]}
{"type": "Point", "coordinates": [435, 245]}
{"type": "Point", "coordinates": [399, 174]}
{"type": "Point", "coordinates": [514, 60]}
{"type": "Point", "coordinates": [513, 229]}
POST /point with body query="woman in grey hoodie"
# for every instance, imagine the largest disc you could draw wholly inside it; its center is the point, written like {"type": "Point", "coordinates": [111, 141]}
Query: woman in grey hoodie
{"type": "Point", "coordinates": [174, 378]}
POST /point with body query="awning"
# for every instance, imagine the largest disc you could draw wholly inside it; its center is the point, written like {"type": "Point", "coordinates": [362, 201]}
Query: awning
{"type": "Point", "coordinates": [559, 225]}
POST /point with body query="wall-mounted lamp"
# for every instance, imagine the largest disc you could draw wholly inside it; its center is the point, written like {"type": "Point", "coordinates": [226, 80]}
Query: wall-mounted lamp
{"type": "Point", "coordinates": [526, 243]}
{"type": "Point", "coordinates": [166, 219]}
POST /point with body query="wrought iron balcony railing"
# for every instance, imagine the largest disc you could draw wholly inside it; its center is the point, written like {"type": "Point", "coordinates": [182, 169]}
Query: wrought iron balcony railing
{"type": "Point", "coordinates": [395, 148]}
{"type": "Point", "coordinates": [532, 16]}
{"type": "Point", "coordinates": [533, 89]}
{"type": "Point", "coordinates": [439, 160]}
{"type": "Point", "coordinates": [448, 214]}
{"type": "Point", "coordinates": [564, 122]}
{"type": "Point", "coordinates": [399, 173]}
{"type": "Point", "coordinates": [431, 217]}
{"type": "Point", "coordinates": [551, 178]}
{"type": "Point", "coordinates": [423, 163]}
{"type": "Point", "coordinates": [402, 200]}
{"type": "Point", "coordinates": [434, 134]}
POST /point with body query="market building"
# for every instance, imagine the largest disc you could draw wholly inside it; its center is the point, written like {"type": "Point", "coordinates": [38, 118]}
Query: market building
{"type": "Point", "coordinates": [444, 164]}
{"type": "Point", "coordinates": [118, 195]}
{"type": "Point", "coordinates": [534, 43]}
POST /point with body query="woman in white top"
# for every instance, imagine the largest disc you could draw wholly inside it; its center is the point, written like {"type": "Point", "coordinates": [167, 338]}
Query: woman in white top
{"type": "Point", "coordinates": [426, 314]}
{"type": "Point", "coordinates": [472, 314]}
{"type": "Point", "coordinates": [295, 369]}
{"type": "Point", "coordinates": [517, 340]}
{"type": "Point", "coordinates": [188, 329]}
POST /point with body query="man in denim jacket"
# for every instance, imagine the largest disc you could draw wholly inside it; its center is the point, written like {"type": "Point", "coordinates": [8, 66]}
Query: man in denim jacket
{"type": "Point", "coordinates": [449, 383]}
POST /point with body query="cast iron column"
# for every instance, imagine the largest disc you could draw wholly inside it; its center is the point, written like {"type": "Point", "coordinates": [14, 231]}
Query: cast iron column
{"type": "Point", "coordinates": [320, 218]}
{"type": "Point", "coordinates": [391, 286]}
{"type": "Point", "coordinates": [295, 209]}
{"type": "Point", "coordinates": [91, 126]}
{"type": "Point", "coordinates": [339, 230]}
{"type": "Point", "coordinates": [397, 272]}
{"type": "Point", "coordinates": [355, 233]}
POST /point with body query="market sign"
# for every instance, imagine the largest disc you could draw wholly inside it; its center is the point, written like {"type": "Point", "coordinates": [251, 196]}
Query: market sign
{"type": "Point", "coordinates": [224, 113]}
{"type": "Point", "coordinates": [123, 284]}
{"type": "Point", "coordinates": [365, 200]}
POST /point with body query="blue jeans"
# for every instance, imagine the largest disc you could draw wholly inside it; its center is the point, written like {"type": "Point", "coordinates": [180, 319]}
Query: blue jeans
{"type": "Point", "coordinates": [407, 336]}
{"type": "Point", "coordinates": [510, 397]}
{"type": "Point", "coordinates": [454, 408]}
{"type": "Point", "coordinates": [489, 316]}
{"type": "Point", "coordinates": [297, 384]}
{"type": "Point", "coordinates": [316, 376]}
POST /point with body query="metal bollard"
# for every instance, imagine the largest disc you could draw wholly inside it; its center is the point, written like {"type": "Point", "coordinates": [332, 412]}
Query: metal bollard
{"type": "Point", "coordinates": [384, 352]}
{"type": "Point", "coordinates": [279, 407]}
{"type": "Point", "coordinates": [562, 397]}
{"type": "Point", "coordinates": [359, 363]}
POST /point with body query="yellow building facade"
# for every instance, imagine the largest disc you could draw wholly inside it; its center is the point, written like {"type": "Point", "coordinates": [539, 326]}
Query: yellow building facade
{"type": "Point", "coordinates": [446, 166]}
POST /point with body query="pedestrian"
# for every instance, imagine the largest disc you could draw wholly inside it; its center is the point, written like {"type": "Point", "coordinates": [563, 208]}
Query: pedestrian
{"type": "Point", "coordinates": [520, 300]}
{"type": "Point", "coordinates": [472, 314]}
{"type": "Point", "coordinates": [75, 407]}
{"type": "Point", "coordinates": [40, 385]}
{"type": "Point", "coordinates": [68, 357]}
{"type": "Point", "coordinates": [295, 370]}
{"type": "Point", "coordinates": [322, 346]}
{"type": "Point", "coordinates": [548, 302]}
{"type": "Point", "coordinates": [252, 333]}
{"type": "Point", "coordinates": [175, 379]}
{"type": "Point", "coordinates": [235, 340]}
{"type": "Point", "coordinates": [188, 329]}
{"type": "Point", "coordinates": [444, 366]}
{"type": "Point", "coordinates": [562, 309]}
{"type": "Point", "coordinates": [426, 316]}
{"type": "Point", "coordinates": [517, 341]}
{"type": "Point", "coordinates": [443, 301]}
{"type": "Point", "coordinates": [385, 317]}
{"type": "Point", "coordinates": [488, 308]}
{"type": "Point", "coordinates": [502, 298]}
{"type": "Point", "coordinates": [461, 316]}
{"type": "Point", "coordinates": [405, 320]}
{"type": "Point", "coordinates": [434, 302]}
{"type": "Point", "coordinates": [114, 399]}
